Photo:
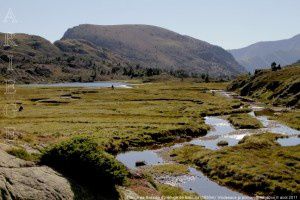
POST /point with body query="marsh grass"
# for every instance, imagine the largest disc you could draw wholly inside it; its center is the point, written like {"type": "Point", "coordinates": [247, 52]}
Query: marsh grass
{"type": "Point", "coordinates": [264, 112]}
{"type": "Point", "coordinates": [291, 118]}
{"type": "Point", "coordinates": [171, 191]}
{"type": "Point", "coordinates": [244, 121]}
{"type": "Point", "coordinates": [22, 154]}
{"type": "Point", "coordinates": [288, 117]}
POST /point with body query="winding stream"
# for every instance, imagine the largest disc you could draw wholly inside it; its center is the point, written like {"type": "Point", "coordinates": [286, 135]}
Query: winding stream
{"type": "Point", "coordinates": [221, 129]}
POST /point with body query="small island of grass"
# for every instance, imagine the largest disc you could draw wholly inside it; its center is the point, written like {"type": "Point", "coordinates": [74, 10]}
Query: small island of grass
{"type": "Point", "coordinates": [244, 121]}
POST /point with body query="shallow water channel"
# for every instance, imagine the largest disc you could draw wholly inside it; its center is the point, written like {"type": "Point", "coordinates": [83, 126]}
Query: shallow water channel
{"type": "Point", "coordinates": [196, 181]}
{"type": "Point", "coordinates": [221, 129]}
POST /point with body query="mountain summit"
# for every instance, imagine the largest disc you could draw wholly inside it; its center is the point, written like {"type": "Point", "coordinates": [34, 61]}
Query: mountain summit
{"type": "Point", "coordinates": [262, 54]}
{"type": "Point", "coordinates": [151, 46]}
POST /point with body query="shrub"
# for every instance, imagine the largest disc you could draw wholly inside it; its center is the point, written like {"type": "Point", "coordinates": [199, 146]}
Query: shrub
{"type": "Point", "coordinates": [81, 159]}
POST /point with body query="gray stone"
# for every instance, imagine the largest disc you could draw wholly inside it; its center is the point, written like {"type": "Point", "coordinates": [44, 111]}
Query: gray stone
{"type": "Point", "coordinates": [24, 180]}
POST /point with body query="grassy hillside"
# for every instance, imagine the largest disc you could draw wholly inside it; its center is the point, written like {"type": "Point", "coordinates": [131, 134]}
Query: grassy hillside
{"type": "Point", "coordinates": [281, 87]}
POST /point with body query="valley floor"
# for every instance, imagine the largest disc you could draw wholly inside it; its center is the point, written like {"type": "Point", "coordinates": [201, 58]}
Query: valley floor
{"type": "Point", "coordinates": [149, 115]}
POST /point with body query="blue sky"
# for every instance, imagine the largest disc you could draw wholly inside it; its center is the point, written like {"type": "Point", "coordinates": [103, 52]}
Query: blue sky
{"type": "Point", "coordinates": [227, 23]}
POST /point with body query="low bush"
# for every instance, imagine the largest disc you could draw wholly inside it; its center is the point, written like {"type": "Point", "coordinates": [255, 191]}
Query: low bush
{"type": "Point", "coordinates": [83, 160]}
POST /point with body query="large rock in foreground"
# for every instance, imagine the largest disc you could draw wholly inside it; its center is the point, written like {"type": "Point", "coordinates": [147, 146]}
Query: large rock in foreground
{"type": "Point", "coordinates": [33, 183]}
{"type": "Point", "coordinates": [23, 180]}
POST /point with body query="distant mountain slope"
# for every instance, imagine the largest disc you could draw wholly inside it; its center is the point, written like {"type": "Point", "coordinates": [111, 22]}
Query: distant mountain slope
{"type": "Point", "coordinates": [37, 60]}
{"type": "Point", "coordinates": [260, 55]}
{"type": "Point", "coordinates": [152, 46]}
{"type": "Point", "coordinates": [281, 87]}
{"type": "Point", "coordinates": [298, 62]}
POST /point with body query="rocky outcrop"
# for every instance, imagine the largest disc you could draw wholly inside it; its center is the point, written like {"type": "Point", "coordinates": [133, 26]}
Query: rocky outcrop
{"type": "Point", "coordinates": [21, 179]}
{"type": "Point", "coordinates": [33, 183]}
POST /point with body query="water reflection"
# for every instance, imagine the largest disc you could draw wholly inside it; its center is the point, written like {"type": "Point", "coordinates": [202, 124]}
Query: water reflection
{"type": "Point", "coordinates": [130, 158]}
{"type": "Point", "coordinates": [208, 189]}
{"type": "Point", "coordinates": [79, 84]}
{"type": "Point", "coordinates": [219, 126]}
{"type": "Point", "coordinates": [291, 141]}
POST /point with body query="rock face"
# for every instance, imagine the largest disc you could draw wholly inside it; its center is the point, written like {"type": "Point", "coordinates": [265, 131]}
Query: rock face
{"type": "Point", "coordinates": [33, 183]}
{"type": "Point", "coordinates": [20, 179]}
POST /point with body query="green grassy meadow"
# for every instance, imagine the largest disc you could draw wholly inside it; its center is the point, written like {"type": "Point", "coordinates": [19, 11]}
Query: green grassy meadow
{"type": "Point", "coordinates": [144, 115]}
